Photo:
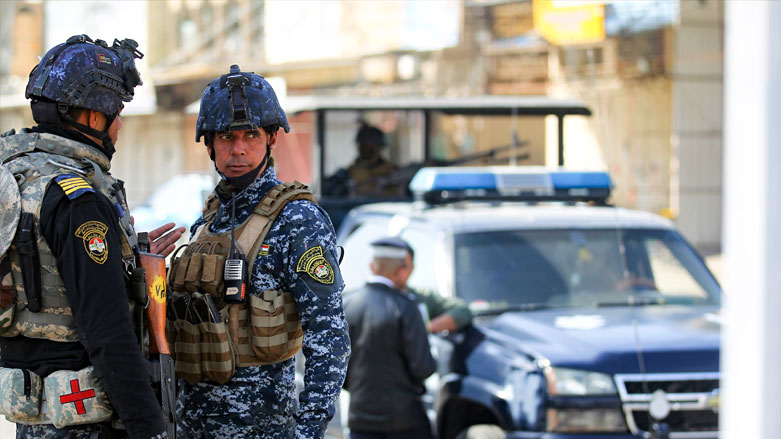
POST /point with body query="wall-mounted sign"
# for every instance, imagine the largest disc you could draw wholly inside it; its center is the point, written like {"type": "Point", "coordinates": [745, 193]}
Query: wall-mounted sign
{"type": "Point", "coordinates": [564, 22]}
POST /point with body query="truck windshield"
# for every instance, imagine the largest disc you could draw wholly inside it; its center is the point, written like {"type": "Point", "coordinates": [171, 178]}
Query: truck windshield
{"type": "Point", "coordinates": [580, 268]}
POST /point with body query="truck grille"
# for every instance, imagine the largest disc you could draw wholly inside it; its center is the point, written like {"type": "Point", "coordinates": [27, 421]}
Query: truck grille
{"type": "Point", "coordinates": [690, 395]}
{"type": "Point", "coordinates": [684, 420]}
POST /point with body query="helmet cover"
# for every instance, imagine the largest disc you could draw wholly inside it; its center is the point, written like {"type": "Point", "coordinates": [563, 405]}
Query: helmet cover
{"type": "Point", "coordinates": [86, 74]}
{"type": "Point", "coordinates": [239, 101]}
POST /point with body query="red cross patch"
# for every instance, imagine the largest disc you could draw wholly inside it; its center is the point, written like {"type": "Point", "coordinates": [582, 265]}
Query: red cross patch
{"type": "Point", "coordinates": [78, 396]}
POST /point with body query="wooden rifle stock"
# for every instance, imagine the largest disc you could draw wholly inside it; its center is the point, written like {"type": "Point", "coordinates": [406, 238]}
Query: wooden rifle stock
{"type": "Point", "coordinates": [161, 363]}
{"type": "Point", "coordinates": [156, 291]}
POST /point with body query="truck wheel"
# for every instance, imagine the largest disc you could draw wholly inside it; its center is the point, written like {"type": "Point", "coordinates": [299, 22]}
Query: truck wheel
{"type": "Point", "coordinates": [485, 431]}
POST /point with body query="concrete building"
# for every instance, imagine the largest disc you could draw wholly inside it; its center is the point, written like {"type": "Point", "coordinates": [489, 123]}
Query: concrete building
{"type": "Point", "coordinates": [653, 82]}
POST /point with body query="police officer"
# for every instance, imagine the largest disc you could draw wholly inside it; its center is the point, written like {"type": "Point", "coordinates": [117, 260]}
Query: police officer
{"type": "Point", "coordinates": [285, 242]}
{"type": "Point", "coordinates": [370, 173]}
{"type": "Point", "coordinates": [70, 334]}
{"type": "Point", "coordinates": [391, 354]}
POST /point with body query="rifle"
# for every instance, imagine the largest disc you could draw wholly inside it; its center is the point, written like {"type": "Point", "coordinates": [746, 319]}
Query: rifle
{"type": "Point", "coordinates": [400, 177]}
{"type": "Point", "coordinates": [161, 365]}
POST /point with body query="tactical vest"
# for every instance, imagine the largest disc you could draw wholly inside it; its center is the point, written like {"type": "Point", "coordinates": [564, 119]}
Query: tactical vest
{"type": "Point", "coordinates": [35, 159]}
{"type": "Point", "coordinates": [263, 329]}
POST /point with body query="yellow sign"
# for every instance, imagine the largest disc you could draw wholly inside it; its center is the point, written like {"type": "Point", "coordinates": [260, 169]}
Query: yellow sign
{"type": "Point", "coordinates": [564, 22]}
{"type": "Point", "coordinates": [157, 289]}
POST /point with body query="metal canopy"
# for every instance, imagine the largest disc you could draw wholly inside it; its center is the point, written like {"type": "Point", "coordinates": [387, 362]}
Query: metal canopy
{"type": "Point", "coordinates": [467, 105]}
{"type": "Point", "coordinates": [487, 105]}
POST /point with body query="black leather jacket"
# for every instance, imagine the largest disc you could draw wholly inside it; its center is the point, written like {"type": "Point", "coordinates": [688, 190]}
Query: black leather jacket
{"type": "Point", "coordinates": [390, 359]}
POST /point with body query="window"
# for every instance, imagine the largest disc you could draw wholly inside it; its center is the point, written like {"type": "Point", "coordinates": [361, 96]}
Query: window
{"type": "Point", "coordinates": [431, 264]}
{"type": "Point", "coordinates": [580, 268]}
{"type": "Point", "coordinates": [669, 272]}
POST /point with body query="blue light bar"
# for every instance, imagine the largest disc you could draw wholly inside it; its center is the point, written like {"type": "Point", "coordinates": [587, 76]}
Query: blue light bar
{"type": "Point", "coordinates": [427, 179]}
{"type": "Point", "coordinates": [437, 185]}
{"type": "Point", "coordinates": [571, 180]}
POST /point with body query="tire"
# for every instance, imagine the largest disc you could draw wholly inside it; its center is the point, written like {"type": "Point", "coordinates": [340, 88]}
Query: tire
{"type": "Point", "coordinates": [483, 431]}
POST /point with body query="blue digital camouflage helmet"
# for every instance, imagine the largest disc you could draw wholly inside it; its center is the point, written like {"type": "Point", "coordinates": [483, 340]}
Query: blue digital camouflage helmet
{"type": "Point", "coordinates": [82, 73]}
{"type": "Point", "coordinates": [239, 101]}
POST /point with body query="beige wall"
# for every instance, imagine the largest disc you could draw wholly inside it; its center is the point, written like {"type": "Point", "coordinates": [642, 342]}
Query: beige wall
{"type": "Point", "coordinates": [697, 120]}
{"type": "Point", "coordinates": [16, 118]}
{"type": "Point", "coordinates": [628, 135]}
{"type": "Point", "coordinates": [27, 38]}
{"type": "Point", "coordinates": [149, 151]}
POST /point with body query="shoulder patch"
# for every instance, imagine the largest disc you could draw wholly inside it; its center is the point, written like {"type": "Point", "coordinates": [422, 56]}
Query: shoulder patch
{"type": "Point", "coordinates": [313, 263]}
{"type": "Point", "coordinates": [93, 233]}
{"type": "Point", "coordinates": [73, 185]}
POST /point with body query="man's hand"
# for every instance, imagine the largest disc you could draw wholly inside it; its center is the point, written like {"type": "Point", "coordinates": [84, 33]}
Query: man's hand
{"type": "Point", "coordinates": [445, 322]}
{"type": "Point", "coordinates": [162, 240]}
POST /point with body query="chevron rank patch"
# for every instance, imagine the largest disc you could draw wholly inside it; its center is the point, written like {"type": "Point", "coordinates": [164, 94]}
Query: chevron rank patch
{"type": "Point", "coordinates": [313, 263]}
{"type": "Point", "coordinates": [73, 185]}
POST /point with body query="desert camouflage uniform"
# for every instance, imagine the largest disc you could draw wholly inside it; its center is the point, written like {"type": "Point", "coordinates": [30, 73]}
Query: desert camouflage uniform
{"type": "Point", "coordinates": [260, 401]}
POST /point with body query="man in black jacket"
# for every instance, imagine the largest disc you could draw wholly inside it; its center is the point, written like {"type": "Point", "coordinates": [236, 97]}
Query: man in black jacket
{"type": "Point", "coordinates": [390, 352]}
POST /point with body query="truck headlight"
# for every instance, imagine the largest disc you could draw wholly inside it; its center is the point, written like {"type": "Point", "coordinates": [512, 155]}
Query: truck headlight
{"type": "Point", "coordinates": [570, 383]}
{"type": "Point", "coordinates": [586, 421]}
{"type": "Point", "coordinates": [574, 382]}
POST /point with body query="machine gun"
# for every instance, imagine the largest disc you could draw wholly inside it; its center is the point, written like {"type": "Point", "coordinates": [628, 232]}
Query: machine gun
{"type": "Point", "coordinates": [397, 182]}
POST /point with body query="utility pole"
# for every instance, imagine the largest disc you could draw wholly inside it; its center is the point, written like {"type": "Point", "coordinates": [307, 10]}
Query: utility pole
{"type": "Point", "coordinates": [751, 353]}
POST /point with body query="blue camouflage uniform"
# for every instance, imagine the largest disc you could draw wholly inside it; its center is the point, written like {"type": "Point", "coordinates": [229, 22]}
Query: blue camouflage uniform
{"type": "Point", "coordinates": [260, 401]}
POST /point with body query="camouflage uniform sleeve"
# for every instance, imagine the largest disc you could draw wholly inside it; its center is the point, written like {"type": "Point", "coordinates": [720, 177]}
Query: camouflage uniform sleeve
{"type": "Point", "coordinates": [313, 275]}
{"type": "Point", "coordinates": [438, 305]}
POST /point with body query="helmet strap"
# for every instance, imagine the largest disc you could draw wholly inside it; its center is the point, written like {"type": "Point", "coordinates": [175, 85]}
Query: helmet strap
{"type": "Point", "coordinates": [103, 136]}
{"type": "Point", "coordinates": [264, 164]}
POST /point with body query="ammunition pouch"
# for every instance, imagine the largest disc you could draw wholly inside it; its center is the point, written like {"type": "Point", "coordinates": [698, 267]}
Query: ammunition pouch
{"type": "Point", "coordinates": [200, 341]}
{"type": "Point", "coordinates": [275, 331]}
{"type": "Point", "coordinates": [64, 398]}
{"type": "Point", "coordinates": [264, 330]}
{"type": "Point", "coordinates": [21, 395]}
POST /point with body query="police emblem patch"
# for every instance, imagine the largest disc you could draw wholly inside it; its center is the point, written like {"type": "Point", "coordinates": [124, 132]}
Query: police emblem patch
{"type": "Point", "coordinates": [93, 233]}
{"type": "Point", "coordinates": [314, 264]}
